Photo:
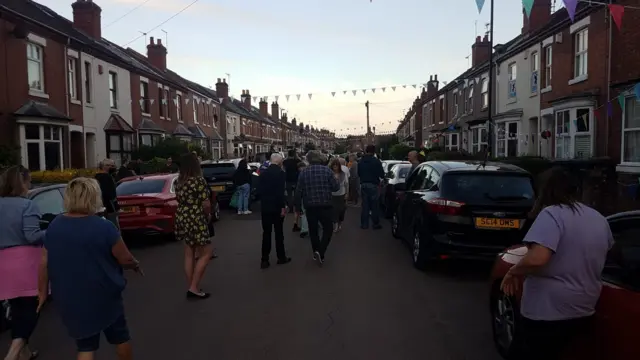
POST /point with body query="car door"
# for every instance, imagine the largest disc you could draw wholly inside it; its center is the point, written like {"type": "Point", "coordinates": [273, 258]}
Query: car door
{"type": "Point", "coordinates": [618, 309]}
{"type": "Point", "coordinates": [411, 199]}
{"type": "Point", "coordinates": [50, 203]}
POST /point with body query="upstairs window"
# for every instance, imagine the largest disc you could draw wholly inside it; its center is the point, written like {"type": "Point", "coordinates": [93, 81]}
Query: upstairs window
{"type": "Point", "coordinates": [144, 96]}
{"type": "Point", "coordinates": [548, 65]}
{"type": "Point", "coordinates": [484, 92]}
{"type": "Point", "coordinates": [535, 69]}
{"type": "Point", "coordinates": [581, 45]}
{"type": "Point", "coordinates": [161, 105]}
{"type": "Point", "coordinates": [195, 111]}
{"type": "Point", "coordinates": [87, 82]}
{"type": "Point", "coordinates": [455, 104]}
{"type": "Point", "coordinates": [113, 90]}
{"type": "Point", "coordinates": [35, 67]}
{"type": "Point", "coordinates": [179, 107]}
{"type": "Point", "coordinates": [470, 100]}
{"type": "Point", "coordinates": [512, 72]}
{"type": "Point", "coordinates": [442, 110]}
{"type": "Point", "coordinates": [72, 75]}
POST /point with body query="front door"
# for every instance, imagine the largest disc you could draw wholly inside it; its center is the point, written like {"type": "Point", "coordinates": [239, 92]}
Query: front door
{"type": "Point", "coordinates": [507, 139]}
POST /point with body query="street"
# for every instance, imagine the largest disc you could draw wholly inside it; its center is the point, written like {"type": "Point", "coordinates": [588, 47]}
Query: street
{"type": "Point", "coordinates": [366, 303]}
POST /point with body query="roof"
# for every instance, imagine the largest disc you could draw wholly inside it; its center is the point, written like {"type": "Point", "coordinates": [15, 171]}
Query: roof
{"type": "Point", "coordinates": [166, 75]}
{"type": "Point", "coordinates": [182, 130]}
{"type": "Point", "coordinates": [148, 125]}
{"type": "Point", "coordinates": [473, 165]}
{"type": "Point", "coordinates": [256, 113]}
{"type": "Point", "coordinates": [216, 135]}
{"type": "Point", "coordinates": [117, 123]}
{"type": "Point", "coordinates": [197, 132]}
{"type": "Point", "coordinates": [40, 110]}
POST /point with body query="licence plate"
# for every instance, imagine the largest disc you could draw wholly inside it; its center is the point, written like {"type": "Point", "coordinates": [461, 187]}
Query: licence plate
{"type": "Point", "coordinates": [129, 209]}
{"type": "Point", "coordinates": [218, 188]}
{"type": "Point", "coordinates": [493, 223]}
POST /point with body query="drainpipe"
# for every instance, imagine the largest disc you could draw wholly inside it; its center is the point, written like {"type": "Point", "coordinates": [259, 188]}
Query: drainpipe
{"type": "Point", "coordinates": [66, 96]}
{"type": "Point", "coordinates": [606, 123]}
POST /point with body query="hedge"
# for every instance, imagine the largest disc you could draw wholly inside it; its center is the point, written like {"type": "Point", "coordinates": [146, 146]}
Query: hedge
{"type": "Point", "coordinates": [60, 176]}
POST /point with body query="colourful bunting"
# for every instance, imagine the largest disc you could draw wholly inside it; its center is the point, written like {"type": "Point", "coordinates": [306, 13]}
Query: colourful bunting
{"type": "Point", "coordinates": [617, 11]}
{"type": "Point", "coordinates": [298, 96]}
{"type": "Point", "coordinates": [333, 94]}
{"type": "Point", "coordinates": [621, 100]}
{"type": "Point", "coordinates": [609, 109]}
{"type": "Point", "coordinates": [480, 4]}
{"type": "Point", "coordinates": [571, 6]}
{"type": "Point", "coordinates": [528, 5]}
{"type": "Point", "coordinates": [373, 90]}
{"type": "Point", "coordinates": [354, 92]}
{"type": "Point", "coordinates": [287, 97]}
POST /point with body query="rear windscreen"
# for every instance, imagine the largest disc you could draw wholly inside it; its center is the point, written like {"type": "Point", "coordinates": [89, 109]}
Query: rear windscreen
{"type": "Point", "coordinates": [210, 170]}
{"type": "Point", "coordinates": [135, 187]}
{"type": "Point", "coordinates": [403, 172]}
{"type": "Point", "coordinates": [487, 187]}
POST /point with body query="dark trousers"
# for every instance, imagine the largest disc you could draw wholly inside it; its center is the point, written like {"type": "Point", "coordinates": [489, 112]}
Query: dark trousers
{"type": "Point", "coordinates": [339, 208]}
{"type": "Point", "coordinates": [272, 222]}
{"type": "Point", "coordinates": [354, 190]}
{"type": "Point", "coordinates": [323, 216]}
{"type": "Point", "coordinates": [370, 205]}
{"type": "Point", "coordinates": [291, 190]}
{"type": "Point", "coordinates": [548, 340]}
{"type": "Point", "coordinates": [24, 317]}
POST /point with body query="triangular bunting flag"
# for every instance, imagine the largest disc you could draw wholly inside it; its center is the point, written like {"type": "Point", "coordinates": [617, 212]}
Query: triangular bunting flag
{"type": "Point", "coordinates": [609, 109]}
{"type": "Point", "coordinates": [354, 92]}
{"type": "Point", "coordinates": [571, 6]}
{"type": "Point", "coordinates": [414, 86]}
{"type": "Point", "coordinates": [175, 102]}
{"type": "Point", "coordinates": [287, 97]}
{"type": "Point", "coordinates": [636, 89]}
{"type": "Point", "coordinates": [466, 82]}
{"type": "Point", "coordinates": [393, 88]}
{"type": "Point", "coordinates": [208, 101]}
{"type": "Point", "coordinates": [186, 101]}
{"type": "Point", "coordinates": [152, 101]}
{"type": "Point", "coordinates": [404, 86]}
{"type": "Point", "coordinates": [298, 96]}
{"type": "Point", "coordinates": [310, 96]}
{"type": "Point", "coordinates": [141, 101]}
{"type": "Point", "coordinates": [528, 5]}
{"type": "Point", "coordinates": [383, 89]}
{"type": "Point", "coordinates": [480, 4]}
{"type": "Point", "coordinates": [364, 91]}
{"type": "Point", "coordinates": [344, 92]}
{"type": "Point", "coordinates": [621, 100]}
{"type": "Point", "coordinates": [164, 101]}
{"type": "Point", "coordinates": [478, 80]}
{"type": "Point", "coordinates": [198, 100]}
{"type": "Point", "coordinates": [373, 90]}
{"type": "Point", "coordinates": [333, 93]}
{"type": "Point", "coordinates": [617, 11]}
{"type": "Point", "coordinates": [221, 100]}
{"type": "Point", "coordinates": [425, 85]}
{"type": "Point", "coordinates": [255, 98]}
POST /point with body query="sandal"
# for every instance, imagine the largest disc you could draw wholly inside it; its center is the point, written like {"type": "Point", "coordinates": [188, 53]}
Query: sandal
{"type": "Point", "coordinates": [197, 296]}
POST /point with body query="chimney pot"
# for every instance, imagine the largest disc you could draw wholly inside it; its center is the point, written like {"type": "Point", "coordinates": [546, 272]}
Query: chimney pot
{"type": "Point", "coordinates": [218, 80]}
{"type": "Point", "coordinates": [160, 42]}
{"type": "Point", "coordinates": [430, 77]}
{"type": "Point", "coordinates": [224, 81]}
{"type": "Point", "coordinates": [151, 41]}
{"type": "Point", "coordinates": [478, 39]}
{"type": "Point", "coordinates": [485, 39]}
{"type": "Point", "coordinates": [435, 77]}
{"type": "Point", "coordinates": [242, 92]}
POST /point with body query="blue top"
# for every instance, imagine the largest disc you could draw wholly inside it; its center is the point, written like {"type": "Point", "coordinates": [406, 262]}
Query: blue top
{"type": "Point", "coordinates": [20, 223]}
{"type": "Point", "coordinates": [315, 184]}
{"type": "Point", "coordinates": [86, 280]}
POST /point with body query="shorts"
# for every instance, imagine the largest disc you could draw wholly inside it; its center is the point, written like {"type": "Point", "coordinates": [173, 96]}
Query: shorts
{"type": "Point", "coordinates": [116, 334]}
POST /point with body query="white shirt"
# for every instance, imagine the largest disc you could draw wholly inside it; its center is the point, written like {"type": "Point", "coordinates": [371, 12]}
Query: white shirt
{"type": "Point", "coordinates": [345, 170]}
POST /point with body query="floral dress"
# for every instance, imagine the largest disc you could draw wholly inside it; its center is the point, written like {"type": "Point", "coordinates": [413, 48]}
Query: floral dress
{"type": "Point", "coordinates": [191, 224]}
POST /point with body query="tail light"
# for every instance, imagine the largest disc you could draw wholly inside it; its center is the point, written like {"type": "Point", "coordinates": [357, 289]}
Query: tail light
{"type": "Point", "coordinates": [445, 207]}
{"type": "Point", "coordinates": [156, 208]}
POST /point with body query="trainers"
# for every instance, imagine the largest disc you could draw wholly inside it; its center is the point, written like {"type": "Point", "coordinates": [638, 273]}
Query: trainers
{"type": "Point", "coordinates": [248, 212]}
{"type": "Point", "coordinates": [303, 235]}
{"type": "Point", "coordinates": [240, 212]}
{"type": "Point", "coordinates": [296, 228]}
{"type": "Point", "coordinates": [318, 258]}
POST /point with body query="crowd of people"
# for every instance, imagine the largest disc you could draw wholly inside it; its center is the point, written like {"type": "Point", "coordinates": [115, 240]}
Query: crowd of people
{"type": "Point", "coordinates": [568, 243]}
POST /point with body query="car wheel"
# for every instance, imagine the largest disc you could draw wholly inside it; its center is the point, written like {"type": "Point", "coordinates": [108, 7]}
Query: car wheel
{"type": "Point", "coordinates": [504, 318]}
{"type": "Point", "coordinates": [420, 250]}
{"type": "Point", "coordinates": [395, 223]}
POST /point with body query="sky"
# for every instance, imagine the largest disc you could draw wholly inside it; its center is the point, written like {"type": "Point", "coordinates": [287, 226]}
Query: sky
{"type": "Point", "coordinates": [279, 47]}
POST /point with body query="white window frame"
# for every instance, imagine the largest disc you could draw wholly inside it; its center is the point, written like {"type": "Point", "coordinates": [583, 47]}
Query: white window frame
{"type": "Point", "coordinates": [194, 105]}
{"type": "Point", "coordinates": [449, 139]}
{"type": "Point", "coordinates": [484, 92]}
{"type": "Point", "coordinates": [455, 104]}
{"type": "Point", "coordinates": [507, 136]}
{"type": "Point", "coordinates": [72, 77]}
{"type": "Point", "coordinates": [562, 135]}
{"type": "Point", "coordinates": [470, 100]}
{"type": "Point", "coordinates": [535, 72]}
{"type": "Point", "coordinates": [113, 90]}
{"type": "Point", "coordinates": [179, 108]}
{"type": "Point", "coordinates": [41, 143]}
{"type": "Point", "coordinates": [548, 66]}
{"type": "Point", "coordinates": [631, 104]}
{"type": "Point", "coordinates": [581, 54]}
{"type": "Point", "coordinates": [476, 146]}
{"type": "Point", "coordinates": [35, 55]}
{"type": "Point", "coordinates": [87, 83]}
{"type": "Point", "coordinates": [146, 103]}
{"type": "Point", "coordinates": [572, 131]}
{"type": "Point", "coordinates": [512, 75]}
{"type": "Point", "coordinates": [442, 103]}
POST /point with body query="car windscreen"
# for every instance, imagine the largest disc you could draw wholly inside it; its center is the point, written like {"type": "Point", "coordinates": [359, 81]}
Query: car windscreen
{"type": "Point", "coordinates": [144, 186]}
{"type": "Point", "coordinates": [390, 165]}
{"type": "Point", "coordinates": [210, 170]}
{"type": "Point", "coordinates": [402, 171]}
{"type": "Point", "coordinates": [483, 188]}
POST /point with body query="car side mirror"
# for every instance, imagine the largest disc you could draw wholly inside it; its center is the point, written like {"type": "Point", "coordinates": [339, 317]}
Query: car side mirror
{"type": "Point", "coordinates": [389, 175]}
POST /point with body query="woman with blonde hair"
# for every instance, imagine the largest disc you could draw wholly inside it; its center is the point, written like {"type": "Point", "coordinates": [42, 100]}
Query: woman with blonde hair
{"type": "Point", "coordinates": [20, 249]}
{"type": "Point", "coordinates": [83, 262]}
{"type": "Point", "coordinates": [192, 223]}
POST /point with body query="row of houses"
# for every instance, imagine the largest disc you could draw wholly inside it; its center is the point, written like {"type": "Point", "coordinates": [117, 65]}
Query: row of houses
{"type": "Point", "coordinates": [563, 89]}
{"type": "Point", "coordinates": [70, 97]}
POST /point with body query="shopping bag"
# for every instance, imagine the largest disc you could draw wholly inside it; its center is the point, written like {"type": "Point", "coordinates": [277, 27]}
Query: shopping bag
{"type": "Point", "coordinates": [234, 200]}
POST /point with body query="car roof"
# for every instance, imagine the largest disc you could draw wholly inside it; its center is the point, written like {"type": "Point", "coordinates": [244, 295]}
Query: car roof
{"type": "Point", "coordinates": [402, 165]}
{"type": "Point", "coordinates": [625, 214]}
{"type": "Point", "coordinates": [480, 166]}
{"type": "Point", "coordinates": [37, 190]}
{"type": "Point", "coordinates": [151, 177]}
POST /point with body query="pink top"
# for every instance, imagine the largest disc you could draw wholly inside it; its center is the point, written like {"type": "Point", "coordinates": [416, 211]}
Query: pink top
{"type": "Point", "coordinates": [19, 271]}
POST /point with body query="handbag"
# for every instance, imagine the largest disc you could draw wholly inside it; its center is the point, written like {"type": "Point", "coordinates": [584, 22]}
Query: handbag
{"type": "Point", "coordinates": [234, 200]}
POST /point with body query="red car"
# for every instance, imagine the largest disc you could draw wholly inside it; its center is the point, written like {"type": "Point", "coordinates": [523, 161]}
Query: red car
{"type": "Point", "coordinates": [148, 204]}
{"type": "Point", "coordinates": [614, 335]}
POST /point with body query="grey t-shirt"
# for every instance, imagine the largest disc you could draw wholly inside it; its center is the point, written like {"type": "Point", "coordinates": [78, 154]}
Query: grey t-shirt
{"type": "Point", "coordinates": [569, 285]}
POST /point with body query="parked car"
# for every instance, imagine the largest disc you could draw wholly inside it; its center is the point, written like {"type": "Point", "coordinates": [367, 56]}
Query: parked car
{"type": "Point", "coordinates": [219, 175]}
{"type": "Point", "coordinates": [255, 167]}
{"type": "Point", "coordinates": [613, 335]}
{"type": "Point", "coordinates": [462, 209]}
{"type": "Point", "coordinates": [388, 164]}
{"type": "Point", "coordinates": [389, 188]}
{"type": "Point", "coordinates": [148, 205]}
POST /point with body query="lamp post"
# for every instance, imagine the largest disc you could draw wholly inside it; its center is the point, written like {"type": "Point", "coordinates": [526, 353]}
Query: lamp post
{"type": "Point", "coordinates": [490, 104]}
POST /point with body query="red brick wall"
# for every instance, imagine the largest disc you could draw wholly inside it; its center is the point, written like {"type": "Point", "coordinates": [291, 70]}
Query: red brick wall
{"type": "Point", "coordinates": [563, 69]}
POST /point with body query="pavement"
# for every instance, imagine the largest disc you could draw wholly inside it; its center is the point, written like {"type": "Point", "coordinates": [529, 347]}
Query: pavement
{"type": "Point", "coordinates": [367, 302]}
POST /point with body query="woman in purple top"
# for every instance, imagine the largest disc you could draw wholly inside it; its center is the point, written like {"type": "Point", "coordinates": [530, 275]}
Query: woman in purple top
{"type": "Point", "coordinates": [568, 244]}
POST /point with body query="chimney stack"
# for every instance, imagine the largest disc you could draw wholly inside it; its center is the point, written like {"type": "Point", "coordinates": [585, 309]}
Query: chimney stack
{"type": "Point", "coordinates": [157, 54]}
{"type": "Point", "coordinates": [432, 87]}
{"type": "Point", "coordinates": [86, 18]}
{"type": "Point", "coordinates": [264, 107]}
{"type": "Point", "coordinates": [275, 111]}
{"type": "Point", "coordinates": [480, 50]}
{"type": "Point", "coordinates": [222, 89]}
{"type": "Point", "coordinates": [246, 99]}
{"type": "Point", "coordinates": [540, 16]}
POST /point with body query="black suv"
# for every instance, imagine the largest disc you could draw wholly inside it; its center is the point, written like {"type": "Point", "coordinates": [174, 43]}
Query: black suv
{"type": "Point", "coordinates": [463, 209]}
{"type": "Point", "coordinates": [219, 176]}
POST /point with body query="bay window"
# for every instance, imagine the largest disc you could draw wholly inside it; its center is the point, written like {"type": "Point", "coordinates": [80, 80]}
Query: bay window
{"type": "Point", "coordinates": [563, 136]}
{"type": "Point", "coordinates": [574, 133]}
{"type": "Point", "coordinates": [451, 141]}
{"type": "Point", "coordinates": [43, 150]}
{"type": "Point", "coordinates": [478, 139]}
{"type": "Point", "coordinates": [507, 139]}
{"type": "Point", "coordinates": [631, 131]}
{"type": "Point", "coordinates": [119, 146]}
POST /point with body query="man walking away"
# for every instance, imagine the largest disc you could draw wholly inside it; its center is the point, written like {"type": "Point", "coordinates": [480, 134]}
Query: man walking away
{"type": "Point", "coordinates": [106, 172]}
{"type": "Point", "coordinates": [315, 184]}
{"type": "Point", "coordinates": [354, 180]}
{"type": "Point", "coordinates": [370, 172]}
{"type": "Point", "coordinates": [291, 171]}
{"type": "Point", "coordinates": [273, 209]}
{"type": "Point", "coordinates": [413, 159]}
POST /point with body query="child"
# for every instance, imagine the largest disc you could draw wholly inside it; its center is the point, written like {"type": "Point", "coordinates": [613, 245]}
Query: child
{"type": "Point", "coordinates": [300, 215]}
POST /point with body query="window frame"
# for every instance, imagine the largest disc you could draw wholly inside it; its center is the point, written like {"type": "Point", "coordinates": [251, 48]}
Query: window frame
{"type": "Point", "coordinates": [470, 100]}
{"type": "Point", "coordinates": [41, 142]}
{"type": "Point", "coordinates": [476, 146]}
{"type": "Point", "coordinates": [548, 65]}
{"type": "Point", "coordinates": [113, 90]}
{"type": "Point", "coordinates": [39, 60]}
{"type": "Point", "coordinates": [581, 55]}
{"type": "Point", "coordinates": [161, 103]}
{"type": "Point", "coordinates": [535, 72]}
{"type": "Point", "coordinates": [145, 107]}
{"type": "Point", "coordinates": [629, 105]}
{"type": "Point", "coordinates": [72, 77]}
{"type": "Point", "coordinates": [195, 110]}
{"type": "Point", "coordinates": [455, 103]}
{"type": "Point", "coordinates": [179, 107]}
{"type": "Point", "coordinates": [484, 92]}
{"type": "Point", "coordinates": [121, 151]}
{"type": "Point", "coordinates": [512, 75]}
{"type": "Point", "coordinates": [88, 96]}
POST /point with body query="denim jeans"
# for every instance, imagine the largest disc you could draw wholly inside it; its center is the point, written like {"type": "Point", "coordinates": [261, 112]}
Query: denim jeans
{"type": "Point", "coordinates": [244, 191]}
{"type": "Point", "coordinates": [369, 193]}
